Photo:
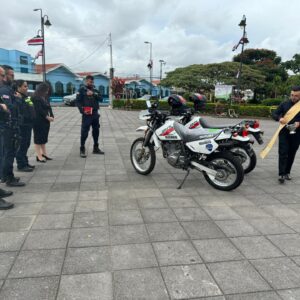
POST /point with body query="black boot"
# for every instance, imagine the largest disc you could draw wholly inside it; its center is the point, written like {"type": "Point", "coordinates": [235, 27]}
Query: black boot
{"type": "Point", "coordinates": [97, 150]}
{"type": "Point", "coordinates": [14, 182]}
{"type": "Point", "coordinates": [82, 151]}
{"type": "Point", "coordinates": [281, 179]}
{"type": "Point", "coordinates": [5, 205]}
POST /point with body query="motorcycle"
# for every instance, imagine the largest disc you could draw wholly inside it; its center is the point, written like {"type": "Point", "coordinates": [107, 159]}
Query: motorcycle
{"type": "Point", "coordinates": [241, 149]}
{"type": "Point", "coordinates": [185, 149]}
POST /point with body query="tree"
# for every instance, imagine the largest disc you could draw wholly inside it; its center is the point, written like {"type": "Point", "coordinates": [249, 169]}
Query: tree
{"type": "Point", "coordinates": [293, 64]}
{"type": "Point", "coordinates": [204, 77]}
{"type": "Point", "coordinates": [117, 86]}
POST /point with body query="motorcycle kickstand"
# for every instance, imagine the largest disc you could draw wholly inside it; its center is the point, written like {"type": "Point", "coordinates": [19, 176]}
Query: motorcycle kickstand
{"type": "Point", "coordinates": [184, 179]}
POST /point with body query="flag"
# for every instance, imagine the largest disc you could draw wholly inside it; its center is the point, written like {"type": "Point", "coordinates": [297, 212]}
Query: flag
{"type": "Point", "coordinates": [150, 64]}
{"type": "Point", "coordinates": [40, 53]}
{"type": "Point", "coordinates": [35, 41]}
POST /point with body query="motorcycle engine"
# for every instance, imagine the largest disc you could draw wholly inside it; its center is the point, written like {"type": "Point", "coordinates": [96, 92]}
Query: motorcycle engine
{"type": "Point", "coordinates": [173, 153]}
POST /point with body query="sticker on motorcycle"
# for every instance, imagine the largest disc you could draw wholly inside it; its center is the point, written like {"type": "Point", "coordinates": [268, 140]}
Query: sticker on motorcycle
{"type": "Point", "coordinates": [209, 147]}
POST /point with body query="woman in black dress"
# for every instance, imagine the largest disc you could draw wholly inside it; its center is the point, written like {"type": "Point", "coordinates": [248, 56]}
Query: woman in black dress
{"type": "Point", "coordinates": [44, 116]}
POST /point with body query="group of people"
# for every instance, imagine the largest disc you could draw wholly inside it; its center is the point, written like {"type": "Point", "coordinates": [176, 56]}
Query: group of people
{"type": "Point", "coordinates": [19, 115]}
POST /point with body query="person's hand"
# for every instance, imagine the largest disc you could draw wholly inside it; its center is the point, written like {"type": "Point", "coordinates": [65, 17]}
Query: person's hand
{"type": "Point", "coordinates": [50, 119]}
{"type": "Point", "coordinates": [282, 121]}
{"type": "Point", "coordinates": [297, 124]}
{"type": "Point", "coordinates": [17, 94]}
{"type": "Point", "coordinates": [89, 93]}
{"type": "Point", "coordinates": [4, 106]}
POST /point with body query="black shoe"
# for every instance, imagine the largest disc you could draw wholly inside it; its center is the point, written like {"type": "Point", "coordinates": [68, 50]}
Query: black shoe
{"type": "Point", "coordinates": [97, 150]}
{"type": "Point", "coordinates": [3, 180]}
{"type": "Point", "coordinates": [4, 193]}
{"type": "Point", "coordinates": [288, 177]}
{"type": "Point", "coordinates": [82, 152]}
{"type": "Point", "coordinates": [25, 169]}
{"type": "Point", "coordinates": [40, 160]}
{"type": "Point", "coordinates": [30, 166]}
{"type": "Point", "coordinates": [5, 205]}
{"type": "Point", "coordinates": [47, 157]}
{"type": "Point", "coordinates": [14, 182]}
{"type": "Point", "coordinates": [281, 179]}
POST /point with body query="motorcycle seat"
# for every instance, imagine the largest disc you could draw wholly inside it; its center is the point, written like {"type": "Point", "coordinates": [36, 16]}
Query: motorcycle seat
{"type": "Point", "coordinates": [190, 135]}
{"type": "Point", "coordinates": [205, 124]}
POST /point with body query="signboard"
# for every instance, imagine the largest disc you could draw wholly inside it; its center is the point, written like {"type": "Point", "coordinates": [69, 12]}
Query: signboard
{"type": "Point", "coordinates": [223, 91]}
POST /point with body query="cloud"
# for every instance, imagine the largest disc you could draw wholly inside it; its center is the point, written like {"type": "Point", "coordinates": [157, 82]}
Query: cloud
{"type": "Point", "coordinates": [182, 32]}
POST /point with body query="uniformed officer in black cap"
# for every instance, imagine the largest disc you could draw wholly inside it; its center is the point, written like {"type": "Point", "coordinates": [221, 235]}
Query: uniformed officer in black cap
{"type": "Point", "coordinates": [87, 101]}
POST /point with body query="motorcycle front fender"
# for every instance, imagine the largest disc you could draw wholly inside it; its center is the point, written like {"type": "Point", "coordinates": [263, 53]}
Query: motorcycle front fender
{"type": "Point", "coordinates": [142, 128]}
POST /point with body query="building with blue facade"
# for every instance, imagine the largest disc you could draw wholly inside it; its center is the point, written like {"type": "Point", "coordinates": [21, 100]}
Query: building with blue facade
{"type": "Point", "coordinates": [64, 81]}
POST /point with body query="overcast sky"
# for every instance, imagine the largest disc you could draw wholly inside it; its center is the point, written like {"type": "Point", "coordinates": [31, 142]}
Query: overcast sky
{"type": "Point", "coordinates": [182, 32]}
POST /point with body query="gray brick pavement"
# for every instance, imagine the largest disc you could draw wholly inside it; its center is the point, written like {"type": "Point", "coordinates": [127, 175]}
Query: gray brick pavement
{"type": "Point", "coordinates": [94, 229]}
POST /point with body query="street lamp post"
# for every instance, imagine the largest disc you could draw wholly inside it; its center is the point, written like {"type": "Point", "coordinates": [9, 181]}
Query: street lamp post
{"type": "Point", "coordinates": [244, 40]}
{"type": "Point", "coordinates": [162, 62]}
{"type": "Point", "coordinates": [44, 22]}
{"type": "Point", "coordinates": [150, 65]}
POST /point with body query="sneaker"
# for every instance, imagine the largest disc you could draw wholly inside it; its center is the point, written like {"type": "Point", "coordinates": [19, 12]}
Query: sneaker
{"type": "Point", "coordinates": [288, 177]}
{"type": "Point", "coordinates": [4, 193]}
{"type": "Point", "coordinates": [25, 169]}
{"type": "Point", "coordinates": [281, 179]}
{"type": "Point", "coordinates": [5, 205]}
{"type": "Point", "coordinates": [82, 152]}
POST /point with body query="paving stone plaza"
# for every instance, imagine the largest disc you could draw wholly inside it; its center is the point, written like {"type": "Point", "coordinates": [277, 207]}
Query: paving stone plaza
{"type": "Point", "coordinates": [95, 229]}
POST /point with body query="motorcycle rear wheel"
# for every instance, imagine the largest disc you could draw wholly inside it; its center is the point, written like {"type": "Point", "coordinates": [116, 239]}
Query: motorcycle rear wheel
{"type": "Point", "coordinates": [247, 157]}
{"type": "Point", "coordinates": [230, 171]}
{"type": "Point", "coordinates": [142, 158]}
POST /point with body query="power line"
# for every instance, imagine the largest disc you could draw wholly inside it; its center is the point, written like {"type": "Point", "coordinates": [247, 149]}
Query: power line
{"type": "Point", "coordinates": [93, 52]}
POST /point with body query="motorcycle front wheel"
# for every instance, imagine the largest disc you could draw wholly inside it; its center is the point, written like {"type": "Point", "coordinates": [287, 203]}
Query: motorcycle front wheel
{"type": "Point", "coordinates": [246, 156]}
{"type": "Point", "coordinates": [230, 173]}
{"type": "Point", "coordinates": [142, 158]}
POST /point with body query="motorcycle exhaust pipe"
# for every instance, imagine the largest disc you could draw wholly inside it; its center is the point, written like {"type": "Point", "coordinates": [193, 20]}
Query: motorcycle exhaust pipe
{"type": "Point", "coordinates": [200, 167]}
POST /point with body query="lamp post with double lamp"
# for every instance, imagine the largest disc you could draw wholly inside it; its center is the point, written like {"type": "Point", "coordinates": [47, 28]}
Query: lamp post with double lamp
{"type": "Point", "coordinates": [150, 65]}
{"type": "Point", "coordinates": [44, 22]}
{"type": "Point", "coordinates": [162, 62]}
{"type": "Point", "coordinates": [244, 40]}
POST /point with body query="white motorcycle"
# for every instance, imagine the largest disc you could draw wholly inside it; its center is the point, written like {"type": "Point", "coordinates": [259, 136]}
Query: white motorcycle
{"type": "Point", "coordinates": [185, 149]}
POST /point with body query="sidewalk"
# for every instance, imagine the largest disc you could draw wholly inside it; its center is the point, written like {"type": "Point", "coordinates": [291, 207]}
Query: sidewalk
{"type": "Point", "coordinates": [95, 229]}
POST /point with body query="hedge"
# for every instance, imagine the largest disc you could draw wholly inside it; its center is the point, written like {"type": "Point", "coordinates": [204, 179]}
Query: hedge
{"type": "Point", "coordinates": [210, 108]}
{"type": "Point", "coordinates": [271, 101]}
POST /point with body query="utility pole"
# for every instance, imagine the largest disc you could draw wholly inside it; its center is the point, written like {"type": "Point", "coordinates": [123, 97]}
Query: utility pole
{"type": "Point", "coordinates": [162, 62]}
{"type": "Point", "coordinates": [111, 73]}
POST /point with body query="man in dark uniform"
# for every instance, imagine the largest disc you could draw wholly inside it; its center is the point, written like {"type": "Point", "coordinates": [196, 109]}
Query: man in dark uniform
{"type": "Point", "coordinates": [87, 101]}
{"type": "Point", "coordinates": [11, 129]}
{"type": "Point", "coordinates": [288, 143]}
{"type": "Point", "coordinates": [3, 112]}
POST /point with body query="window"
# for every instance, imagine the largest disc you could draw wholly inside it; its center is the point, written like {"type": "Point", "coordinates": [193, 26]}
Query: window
{"type": "Point", "coordinates": [102, 90]}
{"type": "Point", "coordinates": [23, 61]}
{"type": "Point", "coordinates": [70, 88]}
{"type": "Point", "coordinates": [24, 70]}
{"type": "Point", "coordinates": [59, 89]}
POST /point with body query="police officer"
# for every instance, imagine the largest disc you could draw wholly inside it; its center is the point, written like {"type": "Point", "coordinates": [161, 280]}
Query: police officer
{"type": "Point", "coordinates": [11, 129]}
{"type": "Point", "coordinates": [3, 113]}
{"type": "Point", "coordinates": [288, 143]}
{"type": "Point", "coordinates": [26, 124]}
{"type": "Point", "coordinates": [87, 101]}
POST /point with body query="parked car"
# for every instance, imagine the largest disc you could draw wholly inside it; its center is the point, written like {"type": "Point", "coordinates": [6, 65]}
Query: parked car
{"type": "Point", "coordinates": [69, 99]}
{"type": "Point", "coordinates": [148, 97]}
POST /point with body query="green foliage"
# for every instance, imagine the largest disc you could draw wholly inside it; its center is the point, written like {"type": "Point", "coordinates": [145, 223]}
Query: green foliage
{"type": "Point", "coordinates": [271, 101]}
{"type": "Point", "coordinates": [210, 108]}
{"type": "Point", "coordinates": [293, 64]}
{"type": "Point", "coordinates": [195, 78]}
